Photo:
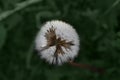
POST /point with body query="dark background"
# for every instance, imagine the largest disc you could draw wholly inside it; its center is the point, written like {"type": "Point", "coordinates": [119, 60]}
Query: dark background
{"type": "Point", "coordinates": [96, 21]}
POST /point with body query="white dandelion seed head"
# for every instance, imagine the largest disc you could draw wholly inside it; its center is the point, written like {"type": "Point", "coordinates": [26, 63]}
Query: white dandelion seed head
{"type": "Point", "coordinates": [57, 42]}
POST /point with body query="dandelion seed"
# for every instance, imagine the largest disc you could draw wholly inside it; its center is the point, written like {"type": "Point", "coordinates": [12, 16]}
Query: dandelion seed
{"type": "Point", "coordinates": [57, 42]}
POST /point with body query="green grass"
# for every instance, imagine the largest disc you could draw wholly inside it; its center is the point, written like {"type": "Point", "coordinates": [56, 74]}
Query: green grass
{"type": "Point", "coordinates": [96, 21]}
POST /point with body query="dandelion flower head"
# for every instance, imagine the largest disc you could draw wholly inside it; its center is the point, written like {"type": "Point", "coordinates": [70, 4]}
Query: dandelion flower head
{"type": "Point", "coordinates": [57, 42]}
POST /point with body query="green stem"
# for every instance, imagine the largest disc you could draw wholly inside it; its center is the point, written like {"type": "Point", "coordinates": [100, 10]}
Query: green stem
{"type": "Point", "coordinates": [112, 6]}
{"type": "Point", "coordinates": [29, 56]}
{"type": "Point", "coordinates": [19, 7]}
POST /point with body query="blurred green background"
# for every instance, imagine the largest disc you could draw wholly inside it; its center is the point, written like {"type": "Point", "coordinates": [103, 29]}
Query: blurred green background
{"type": "Point", "coordinates": [96, 21]}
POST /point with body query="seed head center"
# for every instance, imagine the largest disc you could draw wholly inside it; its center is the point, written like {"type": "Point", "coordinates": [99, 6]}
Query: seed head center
{"type": "Point", "coordinates": [58, 42]}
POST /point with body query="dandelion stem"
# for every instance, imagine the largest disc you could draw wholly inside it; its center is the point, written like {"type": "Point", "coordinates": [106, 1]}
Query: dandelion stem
{"type": "Point", "coordinates": [85, 66]}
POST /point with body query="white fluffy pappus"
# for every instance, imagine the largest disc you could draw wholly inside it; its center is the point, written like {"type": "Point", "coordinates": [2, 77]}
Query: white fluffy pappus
{"type": "Point", "coordinates": [57, 42]}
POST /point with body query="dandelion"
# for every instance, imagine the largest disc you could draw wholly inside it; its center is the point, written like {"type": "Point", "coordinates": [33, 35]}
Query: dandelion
{"type": "Point", "coordinates": [58, 42]}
